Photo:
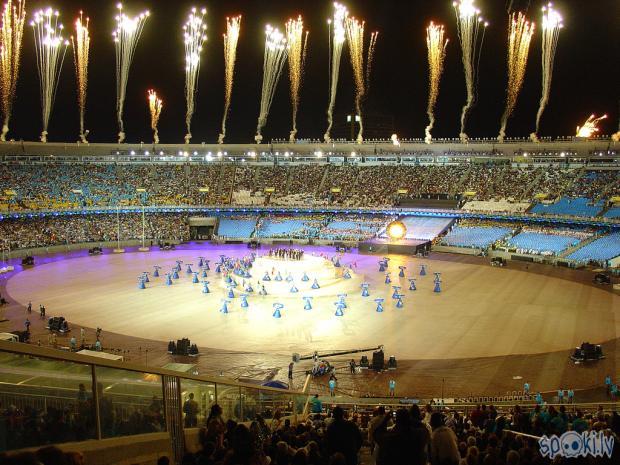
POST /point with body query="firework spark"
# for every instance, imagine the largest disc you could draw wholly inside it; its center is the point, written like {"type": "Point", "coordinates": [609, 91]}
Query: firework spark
{"type": "Point", "coordinates": [590, 126]}
{"type": "Point", "coordinates": [50, 50]}
{"type": "Point", "coordinates": [126, 36]}
{"type": "Point", "coordinates": [355, 37]}
{"type": "Point", "coordinates": [551, 25]}
{"type": "Point", "coordinates": [81, 47]}
{"type": "Point", "coordinates": [231, 39]}
{"type": "Point", "coordinates": [297, 42]}
{"type": "Point", "coordinates": [155, 106]}
{"type": "Point", "coordinates": [436, 45]}
{"type": "Point", "coordinates": [276, 50]}
{"type": "Point", "coordinates": [468, 22]}
{"type": "Point", "coordinates": [337, 42]}
{"type": "Point", "coordinates": [11, 35]}
{"type": "Point", "coordinates": [519, 38]}
{"type": "Point", "coordinates": [194, 36]}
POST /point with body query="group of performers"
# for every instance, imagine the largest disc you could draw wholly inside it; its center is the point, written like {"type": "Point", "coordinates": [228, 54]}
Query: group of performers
{"type": "Point", "coordinates": [286, 254]}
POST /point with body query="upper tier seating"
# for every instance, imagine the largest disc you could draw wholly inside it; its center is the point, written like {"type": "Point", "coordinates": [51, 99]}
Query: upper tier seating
{"type": "Point", "coordinates": [579, 206]}
{"type": "Point", "coordinates": [422, 228]}
{"type": "Point", "coordinates": [613, 212]}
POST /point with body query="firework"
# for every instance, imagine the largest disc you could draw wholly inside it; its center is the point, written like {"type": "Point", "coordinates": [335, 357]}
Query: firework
{"type": "Point", "coordinates": [194, 36]}
{"type": "Point", "coordinates": [436, 45]}
{"type": "Point", "coordinates": [590, 126]}
{"type": "Point", "coordinates": [81, 47]}
{"type": "Point", "coordinates": [11, 35]}
{"type": "Point", "coordinates": [50, 50]}
{"type": "Point", "coordinates": [155, 106]}
{"type": "Point", "coordinates": [519, 38]}
{"type": "Point", "coordinates": [355, 36]}
{"type": "Point", "coordinates": [551, 25]}
{"type": "Point", "coordinates": [276, 50]}
{"type": "Point", "coordinates": [231, 38]}
{"type": "Point", "coordinates": [337, 42]}
{"type": "Point", "coordinates": [126, 36]}
{"type": "Point", "coordinates": [469, 22]}
{"type": "Point", "coordinates": [297, 42]}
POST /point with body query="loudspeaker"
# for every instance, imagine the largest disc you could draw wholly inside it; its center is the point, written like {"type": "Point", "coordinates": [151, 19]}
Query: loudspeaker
{"type": "Point", "coordinates": [378, 360]}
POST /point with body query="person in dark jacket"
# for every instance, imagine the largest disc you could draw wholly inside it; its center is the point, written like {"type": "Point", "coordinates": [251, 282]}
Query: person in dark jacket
{"type": "Point", "coordinates": [344, 437]}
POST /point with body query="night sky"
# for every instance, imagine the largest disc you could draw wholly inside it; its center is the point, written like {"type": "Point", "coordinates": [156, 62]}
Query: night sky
{"type": "Point", "coordinates": [585, 79]}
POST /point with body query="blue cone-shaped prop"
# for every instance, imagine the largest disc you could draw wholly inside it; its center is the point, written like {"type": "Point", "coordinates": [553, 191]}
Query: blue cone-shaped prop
{"type": "Point", "coordinates": [399, 302]}
{"type": "Point", "coordinates": [247, 275]}
{"type": "Point", "coordinates": [387, 278]}
{"type": "Point", "coordinates": [396, 293]}
{"type": "Point", "coordinates": [249, 288]}
{"type": "Point", "coordinates": [422, 270]}
{"type": "Point", "coordinates": [278, 277]}
{"type": "Point", "coordinates": [227, 279]}
{"type": "Point", "coordinates": [347, 274]}
{"type": "Point", "coordinates": [206, 263]}
{"type": "Point", "coordinates": [195, 279]}
{"type": "Point", "coordinates": [200, 262]}
{"type": "Point", "coordinates": [277, 307]}
{"type": "Point", "coordinates": [205, 287]}
{"type": "Point", "coordinates": [365, 290]}
{"type": "Point", "coordinates": [266, 277]}
{"type": "Point", "coordinates": [156, 272]}
{"type": "Point", "coordinates": [189, 269]}
{"type": "Point", "coordinates": [146, 277]}
{"type": "Point", "coordinates": [168, 280]}
{"type": "Point", "coordinates": [289, 278]}
{"type": "Point", "coordinates": [315, 284]}
{"type": "Point", "coordinates": [294, 289]}
{"type": "Point", "coordinates": [437, 286]}
{"type": "Point", "coordinates": [233, 283]}
{"type": "Point", "coordinates": [308, 303]}
{"type": "Point", "coordinates": [141, 283]}
{"type": "Point", "coordinates": [218, 268]}
{"type": "Point", "coordinates": [175, 274]}
{"type": "Point", "coordinates": [204, 273]}
{"type": "Point", "coordinates": [381, 267]}
{"type": "Point", "coordinates": [341, 301]}
{"type": "Point", "coordinates": [379, 305]}
{"type": "Point", "coordinates": [339, 311]}
{"type": "Point", "coordinates": [231, 294]}
{"type": "Point", "coordinates": [337, 263]}
{"type": "Point", "coordinates": [401, 273]}
{"type": "Point", "coordinates": [412, 284]}
{"type": "Point", "coordinates": [305, 278]}
{"type": "Point", "coordinates": [224, 308]}
{"type": "Point", "coordinates": [244, 301]}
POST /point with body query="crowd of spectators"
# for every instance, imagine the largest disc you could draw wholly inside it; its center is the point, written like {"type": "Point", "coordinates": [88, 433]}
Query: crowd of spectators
{"type": "Point", "coordinates": [65, 186]}
{"type": "Point", "coordinates": [70, 229]}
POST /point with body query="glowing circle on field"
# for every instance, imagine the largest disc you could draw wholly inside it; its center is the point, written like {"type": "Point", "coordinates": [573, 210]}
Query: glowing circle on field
{"type": "Point", "coordinates": [396, 230]}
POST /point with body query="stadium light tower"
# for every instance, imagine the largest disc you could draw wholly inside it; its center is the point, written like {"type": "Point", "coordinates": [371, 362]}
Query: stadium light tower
{"type": "Point", "coordinates": [352, 119]}
{"type": "Point", "coordinates": [142, 193]}
{"type": "Point", "coordinates": [118, 230]}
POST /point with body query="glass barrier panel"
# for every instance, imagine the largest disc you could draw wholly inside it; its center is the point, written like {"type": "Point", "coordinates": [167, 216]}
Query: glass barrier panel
{"type": "Point", "coordinates": [198, 397]}
{"type": "Point", "coordinates": [44, 401]}
{"type": "Point", "coordinates": [130, 402]}
{"type": "Point", "coordinates": [228, 397]}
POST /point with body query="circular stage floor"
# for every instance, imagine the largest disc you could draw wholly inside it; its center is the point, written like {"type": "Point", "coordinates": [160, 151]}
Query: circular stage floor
{"type": "Point", "coordinates": [481, 311]}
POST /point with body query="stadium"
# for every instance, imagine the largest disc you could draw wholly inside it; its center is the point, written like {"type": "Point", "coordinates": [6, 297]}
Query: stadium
{"type": "Point", "coordinates": [303, 301]}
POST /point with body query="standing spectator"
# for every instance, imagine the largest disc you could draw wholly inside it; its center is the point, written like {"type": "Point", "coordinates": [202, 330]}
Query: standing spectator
{"type": "Point", "coordinates": [392, 386]}
{"type": "Point", "coordinates": [560, 396]}
{"type": "Point", "coordinates": [571, 396]}
{"type": "Point", "coordinates": [332, 387]}
{"type": "Point", "coordinates": [27, 325]}
{"type": "Point", "coordinates": [29, 308]}
{"type": "Point", "coordinates": [444, 450]}
{"type": "Point", "coordinates": [190, 409]}
{"type": "Point", "coordinates": [82, 337]}
{"type": "Point", "coordinates": [290, 374]}
{"type": "Point", "coordinates": [317, 405]}
{"type": "Point", "coordinates": [526, 388]}
{"type": "Point", "coordinates": [73, 343]}
{"type": "Point", "coordinates": [352, 366]}
{"type": "Point", "coordinates": [344, 437]}
{"type": "Point", "coordinates": [608, 384]}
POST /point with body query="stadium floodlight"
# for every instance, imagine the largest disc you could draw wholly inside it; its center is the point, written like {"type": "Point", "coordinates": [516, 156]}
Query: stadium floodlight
{"type": "Point", "coordinates": [147, 153]}
{"type": "Point", "coordinates": [133, 152]}
{"type": "Point", "coordinates": [161, 153]}
{"type": "Point", "coordinates": [219, 154]}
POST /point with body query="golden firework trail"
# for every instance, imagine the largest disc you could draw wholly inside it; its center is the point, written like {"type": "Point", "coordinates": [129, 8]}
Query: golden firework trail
{"type": "Point", "coordinates": [436, 46]}
{"type": "Point", "coordinates": [551, 25]}
{"type": "Point", "coordinates": [126, 36]}
{"type": "Point", "coordinates": [81, 47]}
{"type": "Point", "coordinates": [468, 22]}
{"type": "Point", "coordinates": [355, 37]}
{"type": "Point", "coordinates": [337, 42]}
{"type": "Point", "coordinates": [276, 50]}
{"type": "Point", "coordinates": [50, 50]}
{"type": "Point", "coordinates": [297, 42]}
{"type": "Point", "coordinates": [590, 126]}
{"type": "Point", "coordinates": [520, 34]}
{"type": "Point", "coordinates": [194, 36]}
{"type": "Point", "coordinates": [155, 106]}
{"type": "Point", "coordinates": [231, 39]}
{"type": "Point", "coordinates": [11, 36]}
